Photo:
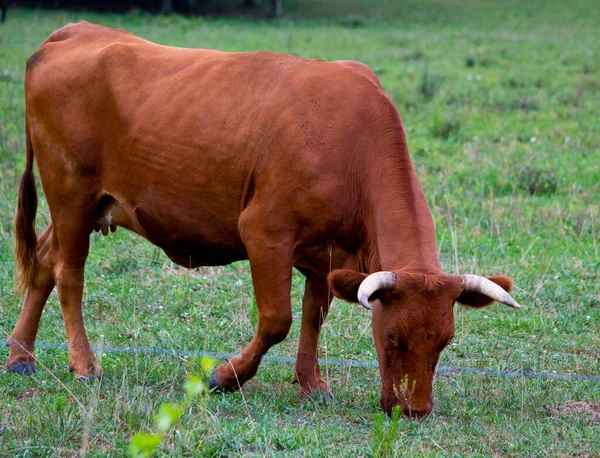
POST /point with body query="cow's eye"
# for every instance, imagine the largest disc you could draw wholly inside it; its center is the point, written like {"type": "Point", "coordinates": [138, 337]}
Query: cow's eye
{"type": "Point", "coordinates": [390, 336]}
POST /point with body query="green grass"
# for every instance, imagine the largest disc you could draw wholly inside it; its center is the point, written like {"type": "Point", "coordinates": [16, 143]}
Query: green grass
{"type": "Point", "coordinates": [500, 103]}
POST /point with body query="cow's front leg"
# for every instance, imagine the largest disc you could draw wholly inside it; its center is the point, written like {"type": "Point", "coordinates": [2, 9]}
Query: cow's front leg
{"type": "Point", "coordinates": [315, 306]}
{"type": "Point", "coordinates": [21, 359]}
{"type": "Point", "coordinates": [271, 265]}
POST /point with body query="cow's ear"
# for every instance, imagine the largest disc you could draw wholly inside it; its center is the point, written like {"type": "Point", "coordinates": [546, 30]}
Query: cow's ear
{"type": "Point", "coordinates": [478, 300]}
{"type": "Point", "coordinates": [345, 283]}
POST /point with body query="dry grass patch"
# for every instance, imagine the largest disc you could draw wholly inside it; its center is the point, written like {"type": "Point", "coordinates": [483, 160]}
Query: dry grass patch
{"type": "Point", "coordinates": [579, 408]}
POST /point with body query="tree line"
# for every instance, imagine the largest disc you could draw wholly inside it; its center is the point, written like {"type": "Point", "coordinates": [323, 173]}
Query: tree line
{"type": "Point", "coordinates": [154, 6]}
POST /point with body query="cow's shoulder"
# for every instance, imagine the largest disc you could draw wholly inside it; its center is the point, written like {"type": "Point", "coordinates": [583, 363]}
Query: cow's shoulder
{"type": "Point", "coordinates": [362, 69]}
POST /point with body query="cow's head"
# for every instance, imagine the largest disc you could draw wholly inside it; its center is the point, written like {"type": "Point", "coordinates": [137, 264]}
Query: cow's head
{"type": "Point", "coordinates": [413, 321]}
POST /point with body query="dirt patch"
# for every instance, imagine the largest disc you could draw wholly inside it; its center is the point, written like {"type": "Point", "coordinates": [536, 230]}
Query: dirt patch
{"type": "Point", "coordinates": [28, 394]}
{"type": "Point", "coordinates": [587, 409]}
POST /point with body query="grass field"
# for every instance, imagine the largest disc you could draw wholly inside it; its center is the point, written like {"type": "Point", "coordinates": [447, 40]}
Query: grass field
{"type": "Point", "coordinates": [501, 101]}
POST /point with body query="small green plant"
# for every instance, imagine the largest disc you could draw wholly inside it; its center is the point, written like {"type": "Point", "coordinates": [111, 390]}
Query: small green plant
{"type": "Point", "coordinates": [123, 266]}
{"type": "Point", "coordinates": [525, 103]}
{"type": "Point", "coordinates": [385, 432]}
{"type": "Point", "coordinates": [414, 55]}
{"type": "Point", "coordinates": [144, 445]}
{"type": "Point", "coordinates": [444, 126]}
{"type": "Point", "coordinates": [536, 180]}
{"type": "Point", "coordinates": [354, 21]}
{"type": "Point", "coordinates": [428, 84]}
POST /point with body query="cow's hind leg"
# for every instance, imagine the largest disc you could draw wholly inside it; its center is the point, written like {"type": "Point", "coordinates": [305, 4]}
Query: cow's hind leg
{"type": "Point", "coordinates": [21, 358]}
{"type": "Point", "coordinates": [72, 208]}
{"type": "Point", "coordinates": [270, 255]}
{"type": "Point", "coordinates": [73, 237]}
{"type": "Point", "coordinates": [315, 306]}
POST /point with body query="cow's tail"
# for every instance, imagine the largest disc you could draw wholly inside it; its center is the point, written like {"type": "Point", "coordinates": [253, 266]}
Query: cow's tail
{"type": "Point", "coordinates": [25, 236]}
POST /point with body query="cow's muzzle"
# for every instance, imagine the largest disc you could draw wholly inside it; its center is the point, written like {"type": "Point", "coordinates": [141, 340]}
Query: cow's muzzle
{"type": "Point", "coordinates": [409, 412]}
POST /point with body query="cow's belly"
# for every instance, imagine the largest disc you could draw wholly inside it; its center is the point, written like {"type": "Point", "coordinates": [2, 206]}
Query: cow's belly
{"type": "Point", "coordinates": [186, 238]}
{"type": "Point", "coordinates": [191, 240]}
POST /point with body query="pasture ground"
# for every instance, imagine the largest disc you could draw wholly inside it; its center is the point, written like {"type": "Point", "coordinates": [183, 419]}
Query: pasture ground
{"type": "Point", "coordinates": [500, 101]}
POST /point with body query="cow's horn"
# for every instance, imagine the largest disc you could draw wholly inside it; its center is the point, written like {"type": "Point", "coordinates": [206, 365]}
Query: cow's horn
{"type": "Point", "coordinates": [477, 284]}
{"type": "Point", "coordinates": [375, 282]}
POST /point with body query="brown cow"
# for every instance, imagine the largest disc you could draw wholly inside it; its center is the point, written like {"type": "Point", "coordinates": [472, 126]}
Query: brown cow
{"type": "Point", "coordinates": [217, 157]}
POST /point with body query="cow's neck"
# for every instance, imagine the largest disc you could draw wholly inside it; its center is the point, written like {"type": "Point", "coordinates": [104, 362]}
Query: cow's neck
{"type": "Point", "coordinates": [400, 228]}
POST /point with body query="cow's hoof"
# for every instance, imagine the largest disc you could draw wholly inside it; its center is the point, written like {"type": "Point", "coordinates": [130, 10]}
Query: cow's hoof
{"type": "Point", "coordinates": [22, 367]}
{"type": "Point", "coordinates": [92, 373]}
{"type": "Point", "coordinates": [214, 386]}
{"type": "Point", "coordinates": [327, 396]}
{"type": "Point", "coordinates": [89, 378]}
{"type": "Point", "coordinates": [324, 396]}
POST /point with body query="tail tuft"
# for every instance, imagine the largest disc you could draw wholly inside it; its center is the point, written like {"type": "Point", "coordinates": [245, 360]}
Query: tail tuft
{"type": "Point", "coordinates": [25, 236]}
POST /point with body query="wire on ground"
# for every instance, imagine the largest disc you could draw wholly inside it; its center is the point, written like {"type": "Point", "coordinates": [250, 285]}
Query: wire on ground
{"type": "Point", "coordinates": [444, 370]}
